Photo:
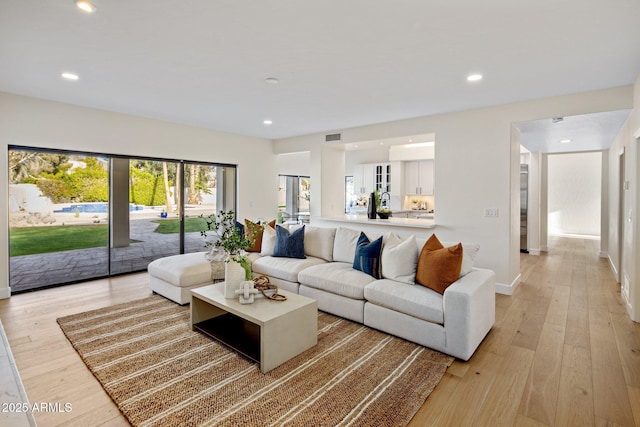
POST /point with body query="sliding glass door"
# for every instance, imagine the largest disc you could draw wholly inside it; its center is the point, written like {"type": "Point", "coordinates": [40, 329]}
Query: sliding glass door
{"type": "Point", "coordinates": [58, 219]}
{"type": "Point", "coordinates": [78, 216]}
{"type": "Point", "coordinates": [294, 198]}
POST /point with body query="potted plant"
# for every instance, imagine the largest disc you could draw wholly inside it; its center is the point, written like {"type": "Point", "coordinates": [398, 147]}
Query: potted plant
{"type": "Point", "coordinates": [229, 246]}
{"type": "Point", "coordinates": [384, 213]}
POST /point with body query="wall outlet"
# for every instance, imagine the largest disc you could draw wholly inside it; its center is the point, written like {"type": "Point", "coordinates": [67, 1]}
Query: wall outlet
{"type": "Point", "coordinates": [491, 212]}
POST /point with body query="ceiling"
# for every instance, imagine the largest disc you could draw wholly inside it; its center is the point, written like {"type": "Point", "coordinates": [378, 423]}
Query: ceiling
{"type": "Point", "coordinates": [340, 64]}
{"type": "Point", "coordinates": [585, 132]}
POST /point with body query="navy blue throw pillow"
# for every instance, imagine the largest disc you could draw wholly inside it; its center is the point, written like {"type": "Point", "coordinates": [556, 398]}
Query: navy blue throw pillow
{"type": "Point", "coordinates": [240, 228]}
{"type": "Point", "coordinates": [368, 254]}
{"type": "Point", "coordinates": [289, 245]}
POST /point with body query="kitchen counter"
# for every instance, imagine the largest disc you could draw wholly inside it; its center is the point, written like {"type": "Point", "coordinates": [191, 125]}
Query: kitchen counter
{"type": "Point", "coordinates": [391, 222]}
{"type": "Point", "coordinates": [415, 213]}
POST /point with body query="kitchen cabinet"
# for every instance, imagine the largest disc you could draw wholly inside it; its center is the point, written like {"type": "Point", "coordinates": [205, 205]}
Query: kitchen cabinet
{"type": "Point", "coordinates": [418, 177]}
{"type": "Point", "coordinates": [369, 177]}
{"type": "Point", "coordinates": [382, 177]}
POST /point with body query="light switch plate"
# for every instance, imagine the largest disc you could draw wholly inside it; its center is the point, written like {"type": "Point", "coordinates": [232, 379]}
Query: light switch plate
{"type": "Point", "coordinates": [491, 212]}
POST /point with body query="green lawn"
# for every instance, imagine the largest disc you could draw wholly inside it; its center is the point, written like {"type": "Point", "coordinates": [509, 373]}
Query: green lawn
{"type": "Point", "coordinates": [170, 226]}
{"type": "Point", "coordinates": [41, 240]}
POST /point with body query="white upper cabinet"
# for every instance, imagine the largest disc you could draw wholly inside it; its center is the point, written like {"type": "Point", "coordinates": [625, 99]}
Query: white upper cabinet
{"type": "Point", "coordinates": [418, 177]}
{"type": "Point", "coordinates": [369, 177]}
{"type": "Point", "coordinates": [382, 177]}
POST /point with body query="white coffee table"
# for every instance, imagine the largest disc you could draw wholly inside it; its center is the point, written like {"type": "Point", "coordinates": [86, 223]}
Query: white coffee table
{"type": "Point", "coordinates": [267, 332]}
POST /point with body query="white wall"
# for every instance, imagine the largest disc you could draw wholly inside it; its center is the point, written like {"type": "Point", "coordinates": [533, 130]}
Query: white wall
{"type": "Point", "coordinates": [379, 154]}
{"type": "Point", "coordinates": [533, 214]}
{"type": "Point", "coordinates": [574, 194]}
{"type": "Point", "coordinates": [624, 213]}
{"type": "Point", "coordinates": [296, 164]}
{"type": "Point", "coordinates": [475, 164]}
{"type": "Point", "coordinates": [44, 124]}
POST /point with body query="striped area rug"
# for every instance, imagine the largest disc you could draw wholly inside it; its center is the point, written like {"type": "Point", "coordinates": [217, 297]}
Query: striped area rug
{"type": "Point", "coordinates": [160, 373]}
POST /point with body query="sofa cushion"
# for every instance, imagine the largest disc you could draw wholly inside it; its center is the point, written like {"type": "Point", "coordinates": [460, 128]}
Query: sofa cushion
{"type": "Point", "coordinates": [268, 241]}
{"type": "Point", "coordinates": [438, 267]}
{"type": "Point", "coordinates": [289, 244]}
{"type": "Point", "coordinates": [367, 257]}
{"type": "Point", "coordinates": [414, 300]}
{"type": "Point", "coordinates": [344, 246]}
{"type": "Point", "coordinates": [399, 258]}
{"type": "Point", "coordinates": [469, 253]}
{"type": "Point", "coordinates": [336, 277]}
{"type": "Point", "coordinates": [283, 268]}
{"type": "Point", "coordinates": [318, 242]}
{"type": "Point", "coordinates": [253, 233]}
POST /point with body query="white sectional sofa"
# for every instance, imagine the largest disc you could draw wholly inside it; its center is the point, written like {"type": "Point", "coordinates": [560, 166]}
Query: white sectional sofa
{"type": "Point", "coordinates": [454, 323]}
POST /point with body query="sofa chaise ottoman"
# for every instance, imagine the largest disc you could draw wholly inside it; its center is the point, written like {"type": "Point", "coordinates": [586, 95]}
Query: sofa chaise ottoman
{"type": "Point", "coordinates": [174, 276]}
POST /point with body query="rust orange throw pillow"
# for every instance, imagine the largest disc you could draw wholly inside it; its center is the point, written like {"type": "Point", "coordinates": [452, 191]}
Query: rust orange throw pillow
{"type": "Point", "coordinates": [438, 267]}
{"type": "Point", "coordinates": [253, 232]}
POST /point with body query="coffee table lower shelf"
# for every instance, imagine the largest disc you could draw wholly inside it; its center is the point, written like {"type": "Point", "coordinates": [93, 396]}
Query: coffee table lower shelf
{"type": "Point", "coordinates": [234, 332]}
{"type": "Point", "coordinates": [267, 332]}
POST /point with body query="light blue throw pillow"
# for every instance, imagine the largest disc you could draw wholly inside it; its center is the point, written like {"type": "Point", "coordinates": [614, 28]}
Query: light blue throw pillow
{"type": "Point", "coordinates": [289, 245]}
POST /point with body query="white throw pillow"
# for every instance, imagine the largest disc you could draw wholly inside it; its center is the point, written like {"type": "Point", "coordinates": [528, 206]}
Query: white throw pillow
{"type": "Point", "coordinates": [469, 253]}
{"type": "Point", "coordinates": [318, 242]}
{"type": "Point", "coordinates": [344, 246]}
{"type": "Point", "coordinates": [268, 241]}
{"type": "Point", "coordinates": [399, 258]}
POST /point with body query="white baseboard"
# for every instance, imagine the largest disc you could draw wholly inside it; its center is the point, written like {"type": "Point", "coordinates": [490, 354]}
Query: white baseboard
{"type": "Point", "coordinates": [5, 293]}
{"type": "Point", "coordinates": [504, 289]}
{"type": "Point", "coordinates": [534, 252]}
{"type": "Point", "coordinates": [544, 248]}
{"type": "Point", "coordinates": [613, 268]}
{"type": "Point", "coordinates": [603, 254]}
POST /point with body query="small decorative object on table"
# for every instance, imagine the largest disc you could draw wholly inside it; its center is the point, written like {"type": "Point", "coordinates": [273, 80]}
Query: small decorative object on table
{"type": "Point", "coordinates": [233, 247]}
{"type": "Point", "coordinates": [269, 290]}
{"type": "Point", "coordinates": [247, 292]}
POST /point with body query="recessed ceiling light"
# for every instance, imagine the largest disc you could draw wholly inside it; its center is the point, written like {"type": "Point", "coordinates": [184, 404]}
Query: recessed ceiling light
{"type": "Point", "coordinates": [268, 122]}
{"type": "Point", "coordinates": [70, 76]}
{"type": "Point", "coordinates": [86, 6]}
{"type": "Point", "coordinates": [474, 77]}
{"type": "Point", "coordinates": [565, 141]}
{"type": "Point", "coordinates": [272, 80]}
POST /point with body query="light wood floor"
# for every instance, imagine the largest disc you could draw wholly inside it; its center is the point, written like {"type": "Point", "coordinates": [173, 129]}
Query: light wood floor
{"type": "Point", "coordinates": [563, 351]}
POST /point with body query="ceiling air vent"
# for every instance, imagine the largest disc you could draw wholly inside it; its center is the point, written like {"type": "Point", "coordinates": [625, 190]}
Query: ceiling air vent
{"type": "Point", "coordinates": [333, 137]}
